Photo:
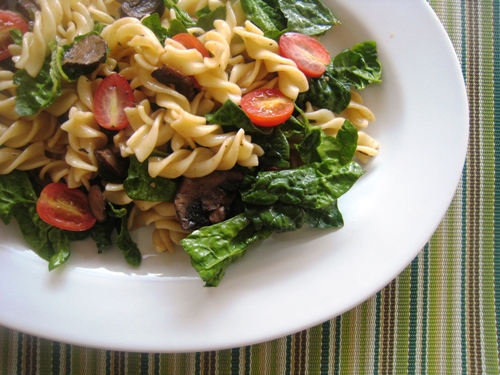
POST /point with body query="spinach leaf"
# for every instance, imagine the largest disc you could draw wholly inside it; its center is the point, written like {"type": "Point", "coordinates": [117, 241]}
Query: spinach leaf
{"type": "Point", "coordinates": [326, 92]}
{"type": "Point", "coordinates": [276, 149]}
{"type": "Point", "coordinates": [277, 218]}
{"type": "Point", "coordinates": [213, 248]}
{"type": "Point", "coordinates": [15, 190]}
{"type": "Point", "coordinates": [273, 17]}
{"type": "Point", "coordinates": [206, 17]}
{"type": "Point", "coordinates": [180, 14]}
{"type": "Point", "coordinates": [356, 67]}
{"type": "Point", "coordinates": [230, 114]}
{"type": "Point", "coordinates": [153, 22]}
{"type": "Point", "coordinates": [267, 15]}
{"type": "Point", "coordinates": [140, 185]}
{"type": "Point", "coordinates": [128, 247]}
{"type": "Point", "coordinates": [18, 200]}
{"type": "Point", "coordinates": [316, 146]}
{"type": "Point", "coordinates": [310, 17]}
{"type": "Point", "coordinates": [314, 186]}
{"type": "Point", "coordinates": [36, 93]}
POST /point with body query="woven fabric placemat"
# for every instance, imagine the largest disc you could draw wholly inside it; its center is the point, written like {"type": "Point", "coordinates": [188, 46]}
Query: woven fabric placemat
{"type": "Point", "coordinates": [439, 316]}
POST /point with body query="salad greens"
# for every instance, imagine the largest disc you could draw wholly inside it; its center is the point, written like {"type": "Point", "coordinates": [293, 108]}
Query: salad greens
{"type": "Point", "coordinates": [274, 197]}
{"type": "Point", "coordinates": [281, 201]}
{"type": "Point", "coordinates": [18, 199]}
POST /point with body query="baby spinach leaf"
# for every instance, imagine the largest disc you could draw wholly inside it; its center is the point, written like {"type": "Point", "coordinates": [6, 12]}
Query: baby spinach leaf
{"type": "Point", "coordinates": [213, 248]}
{"type": "Point", "coordinates": [141, 186]}
{"type": "Point", "coordinates": [356, 67]}
{"type": "Point", "coordinates": [276, 149]}
{"type": "Point", "coordinates": [230, 114]}
{"type": "Point", "coordinates": [273, 17]}
{"type": "Point", "coordinates": [316, 146]}
{"type": "Point", "coordinates": [180, 14]}
{"type": "Point", "coordinates": [18, 200]}
{"type": "Point", "coordinates": [128, 247]}
{"type": "Point", "coordinates": [277, 218]}
{"type": "Point", "coordinates": [310, 17]}
{"type": "Point", "coordinates": [267, 15]}
{"type": "Point", "coordinates": [36, 93]}
{"type": "Point", "coordinates": [206, 17]}
{"type": "Point", "coordinates": [153, 22]}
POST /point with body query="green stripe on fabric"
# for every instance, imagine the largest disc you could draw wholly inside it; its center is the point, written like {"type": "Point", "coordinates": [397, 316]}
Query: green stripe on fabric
{"type": "Point", "coordinates": [337, 340]}
{"type": "Point", "coordinates": [314, 350]}
{"type": "Point", "coordinates": [377, 334]}
{"type": "Point", "coordinates": [403, 322]}
{"type": "Point", "coordinates": [325, 346]}
{"type": "Point", "coordinates": [413, 317]}
{"type": "Point", "coordinates": [346, 356]}
{"type": "Point", "coordinates": [464, 205]}
{"type": "Point", "coordinates": [496, 93]}
{"type": "Point", "coordinates": [434, 306]}
{"type": "Point", "coordinates": [425, 309]}
{"type": "Point", "coordinates": [487, 115]}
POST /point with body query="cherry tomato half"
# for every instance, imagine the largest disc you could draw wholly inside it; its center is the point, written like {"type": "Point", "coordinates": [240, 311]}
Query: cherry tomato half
{"type": "Point", "coordinates": [190, 41]}
{"type": "Point", "coordinates": [65, 208]}
{"type": "Point", "coordinates": [267, 107]}
{"type": "Point", "coordinates": [112, 96]}
{"type": "Point", "coordinates": [9, 21]}
{"type": "Point", "coordinates": [308, 53]}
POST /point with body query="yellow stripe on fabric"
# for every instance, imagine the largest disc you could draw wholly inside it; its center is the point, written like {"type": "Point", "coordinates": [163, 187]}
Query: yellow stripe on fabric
{"type": "Point", "coordinates": [436, 306]}
{"type": "Point", "coordinates": [486, 58]}
{"type": "Point", "coordinates": [314, 350]}
{"type": "Point", "coordinates": [402, 322]}
{"type": "Point", "coordinates": [368, 310]}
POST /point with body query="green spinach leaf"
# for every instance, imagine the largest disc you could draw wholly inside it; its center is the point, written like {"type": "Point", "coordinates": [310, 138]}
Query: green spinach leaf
{"type": "Point", "coordinates": [140, 185]}
{"type": "Point", "coordinates": [213, 248]}
{"type": "Point", "coordinates": [309, 17]}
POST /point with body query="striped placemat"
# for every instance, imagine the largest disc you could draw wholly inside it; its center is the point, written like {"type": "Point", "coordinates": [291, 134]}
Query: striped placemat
{"type": "Point", "coordinates": [440, 316]}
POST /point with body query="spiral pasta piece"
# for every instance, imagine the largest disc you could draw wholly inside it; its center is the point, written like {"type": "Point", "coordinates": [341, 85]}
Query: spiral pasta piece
{"type": "Point", "coordinates": [31, 157]}
{"type": "Point", "coordinates": [84, 136]}
{"type": "Point", "coordinates": [23, 132]}
{"type": "Point", "coordinates": [167, 229]}
{"type": "Point", "coordinates": [291, 80]}
{"type": "Point", "coordinates": [235, 149]}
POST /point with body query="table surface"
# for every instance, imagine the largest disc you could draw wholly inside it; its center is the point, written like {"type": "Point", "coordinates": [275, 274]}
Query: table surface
{"type": "Point", "coordinates": [439, 316]}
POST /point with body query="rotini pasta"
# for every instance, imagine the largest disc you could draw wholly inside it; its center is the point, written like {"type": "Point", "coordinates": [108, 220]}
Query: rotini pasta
{"type": "Point", "coordinates": [172, 130]}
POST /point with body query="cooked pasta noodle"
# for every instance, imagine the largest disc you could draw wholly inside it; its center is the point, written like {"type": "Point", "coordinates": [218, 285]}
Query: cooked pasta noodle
{"type": "Point", "coordinates": [166, 129]}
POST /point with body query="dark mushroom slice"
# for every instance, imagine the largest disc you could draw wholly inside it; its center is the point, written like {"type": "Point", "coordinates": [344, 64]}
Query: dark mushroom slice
{"type": "Point", "coordinates": [112, 167]}
{"type": "Point", "coordinates": [85, 56]}
{"type": "Point", "coordinates": [142, 8]}
{"type": "Point", "coordinates": [27, 9]}
{"type": "Point", "coordinates": [97, 203]}
{"type": "Point", "coordinates": [207, 200]}
{"type": "Point", "coordinates": [171, 76]}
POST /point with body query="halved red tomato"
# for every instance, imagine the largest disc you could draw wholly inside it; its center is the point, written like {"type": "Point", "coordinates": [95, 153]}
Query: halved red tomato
{"type": "Point", "coordinates": [308, 53]}
{"type": "Point", "coordinates": [9, 21]}
{"type": "Point", "coordinates": [65, 208]}
{"type": "Point", "coordinates": [267, 107]}
{"type": "Point", "coordinates": [112, 96]}
{"type": "Point", "coordinates": [190, 41]}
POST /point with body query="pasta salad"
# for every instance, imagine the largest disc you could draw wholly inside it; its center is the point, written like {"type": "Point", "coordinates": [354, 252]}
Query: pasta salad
{"type": "Point", "coordinates": [216, 122]}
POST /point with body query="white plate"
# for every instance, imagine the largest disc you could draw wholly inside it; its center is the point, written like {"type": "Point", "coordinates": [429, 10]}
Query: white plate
{"type": "Point", "coordinates": [292, 281]}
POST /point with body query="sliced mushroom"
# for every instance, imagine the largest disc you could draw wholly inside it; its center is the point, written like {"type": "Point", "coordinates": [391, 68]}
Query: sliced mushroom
{"type": "Point", "coordinates": [111, 166]}
{"type": "Point", "coordinates": [142, 8]}
{"type": "Point", "coordinates": [97, 203]}
{"type": "Point", "coordinates": [85, 56]}
{"type": "Point", "coordinates": [207, 200]}
{"type": "Point", "coordinates": [27, 8]}
{"type": "Point", "coordinates": [171, 76]}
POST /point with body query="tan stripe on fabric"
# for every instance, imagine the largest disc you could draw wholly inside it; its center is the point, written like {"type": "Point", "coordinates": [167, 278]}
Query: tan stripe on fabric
{"type": "Point", "coordinates": [474, 191]}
